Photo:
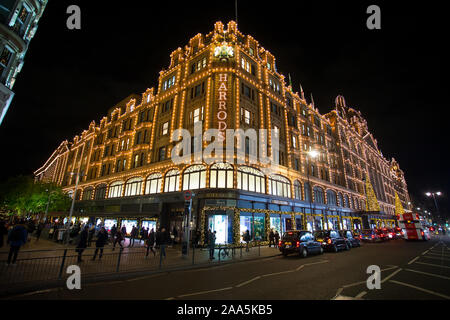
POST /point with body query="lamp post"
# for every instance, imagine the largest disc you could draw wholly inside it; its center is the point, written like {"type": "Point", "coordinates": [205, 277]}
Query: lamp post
{"type": "Point", "coordinates": [310, 154]}
{"type": "Point", "coordinates": [48, 203]}
{"type": "Point", "coordinates": [434, 194]}
{"type": "Point", "coordinates": [79, 174]}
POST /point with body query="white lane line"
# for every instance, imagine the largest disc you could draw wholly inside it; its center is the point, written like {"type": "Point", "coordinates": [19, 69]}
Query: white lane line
{"type": "Point", "coordinates": [434, 265]}
{"type": "Point", "coordinates": [393, 267]}
{"type": "Point", "coordinates": [33, 293]}
{"type": "Point", "coordinates": [353, 284]}
{"type": "Point", "coordinates": [247, 282]}
{"type": "Point", "coordinates": [319, 262]}
{"type": "Point", "coordinates": [438, 254]}
{"type": "Point", "coordinates": [421, 289]}
{"type": "Point", "coordinates": [391, 275]}
{"type": "Point", "coordinates": [276, 273]}
{"type": "Point", "coordinates": [343, 298]}
{"type": "Point", "coordinates": [204, 292]}
{"type": "Point", "coordinates": [300, 267]}
{"type": "Point", "coordinates": [428, 274]}
{"type": "Point", "coordinates": [412, 261]}
{"type": "Point", "coordinates": [425, 252]}
{"type": "Point", "coordinates": [361, 294]}
{"type": "Point", "coordinates": [436, 258]}
{"type": "Point", "coordinates": [171, 298]}
{"type": "Point", "coordinates": [337, 293]}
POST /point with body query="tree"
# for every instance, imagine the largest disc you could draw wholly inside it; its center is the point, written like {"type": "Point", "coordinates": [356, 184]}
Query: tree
{"type": "Point", "coordinates": [23, 196]}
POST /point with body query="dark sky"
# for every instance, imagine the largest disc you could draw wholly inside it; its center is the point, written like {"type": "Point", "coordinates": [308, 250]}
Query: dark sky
{"type": "Point", "coordinates": [394, 76]}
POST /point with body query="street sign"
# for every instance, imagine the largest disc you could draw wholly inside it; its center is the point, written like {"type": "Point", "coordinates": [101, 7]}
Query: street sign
{"type": "Point", "coordinates": [188, 195]}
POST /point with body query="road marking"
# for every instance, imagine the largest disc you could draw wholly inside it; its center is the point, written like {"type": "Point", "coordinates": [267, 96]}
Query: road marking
{"type": "Point", "coordinates": [421, 289]}
{"type": "Point", "coordinates": [248, 281]}
{"type": "Point", "coordinates": [429, 274]}
{"type": "Point", "coordinates": [33, 293]}
{"type": "Point", "coordinates": [310, 264]}
{"type": "Point", "coordinates": [440, 255]}
{"type": "Point", "coordinates": [412, 261]}
{"type": "Point", "coordinates": [425, 252]}
{"type": "Point", "coordinates": [277, 273]}
{"type": "Point", "coordinates": [437, 258]}
{"type": "Point", "coordinates": [393, 267]}
{"type": "Point", "coordinates": [343, 298]}
{"type": "Point", "coordinates": [434, 265]}
{"type": "Point", "coordinates": [391, 275]}
{"type": "Point", "coordinates": [204, 292]}
{"type": "Point", "coordinates": [337, 293]}
{"type": "Point", "coordinates": [360, 295]}
{"type": "Point", "coordinates": [171, 298]}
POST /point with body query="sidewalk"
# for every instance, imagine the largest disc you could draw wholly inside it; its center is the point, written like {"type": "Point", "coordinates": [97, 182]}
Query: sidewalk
{"type": "Point", "coordinates": [42, 263]}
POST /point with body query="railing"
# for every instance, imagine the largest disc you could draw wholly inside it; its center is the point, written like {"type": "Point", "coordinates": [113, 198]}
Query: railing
{"type": "Point", "coordinates": [40, 266]}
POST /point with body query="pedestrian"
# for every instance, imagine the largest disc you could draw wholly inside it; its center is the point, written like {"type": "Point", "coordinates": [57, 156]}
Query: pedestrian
{"type": "Point", "coordinates": [277, 238]}
{"type": "Point", "coordinates": [17, 237]}
{"type": "Point", "coordinates": [91, 235]}
{"type": "Point", "coordinates": [3, 232]}
{"type": "Point", "coordinates": [246, 237]}
{"type": "Point", "coordinates": [175, 234]}
{"type": "Point", "coordinates": [124, 233]}
{"type": "Point", "coordinates": [162, 240]}
{"type": "Point", "coordinates": [113, 232]}
{"type": "Point", "coordinates": [119, 238]}
{"type": "Point", "coordinates": [271, 238]}
{"type": "Point", "coordinates": [212, 244]}
{"type": "Point", "coordinates": [82, 243]}
{"type": "Point", "coordinates": [102, 238]}
{"type": "Point", "coordinates": [30, 228]}
{"type": "Point", "coordinates": [39, 229]}
{"type": "Point", "coordinates": [150, 242]}
{"type": "Point", "coordinates": [134, 233]}
{"type": "Point", "coordinates": [144, 235]}
{"type": "Point", "coordinates": [208, 235]}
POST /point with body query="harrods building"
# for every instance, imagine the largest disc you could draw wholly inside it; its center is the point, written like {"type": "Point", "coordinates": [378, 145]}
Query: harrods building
{"type": "Point", "coordinates": [126, 174]}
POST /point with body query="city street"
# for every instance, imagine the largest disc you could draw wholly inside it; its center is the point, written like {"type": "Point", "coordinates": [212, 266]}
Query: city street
{"type": "Point", "coordinates": [410, 270]}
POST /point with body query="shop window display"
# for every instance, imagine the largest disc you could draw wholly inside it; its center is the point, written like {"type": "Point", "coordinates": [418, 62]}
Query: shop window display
{"type": "Point", "coordinates": [220, 224]}
{"type": "Point", "coordinates": [129, 225]}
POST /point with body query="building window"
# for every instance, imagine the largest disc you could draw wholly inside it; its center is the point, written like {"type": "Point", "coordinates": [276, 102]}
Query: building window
{"type": "Point", "coordinates": [87, 193]}
{"type": "Point", "coordinates": [246, 116]}
{"type": "Point", "coordinates": [133, 187]}
{"type": "Point", "coordinates": [165, 128]}
{"type": "Point", "coordinates": [318, 195]}
{"type": "Point", "coordinates": [307, 192]}
{"type": "Point", "coordinates": [171, 181]}
{"type": "Point", "coordinates": [279, 186]}
{"type": "Point", "coordinates": [162, 154]}
{"type": "Point", "coordinates": [196, 115]}
{"type": "Point", "coordinates": [294, 142]}
{"type": "Point", "coordinates": [100, 192]}
{"type": "Point", "coordinates": [297, 190]}
{"type": "Point", "coordinates": [169, 83]}
{"type": "Point", "coordinates": [167, 106]}
{"type": "Point", "coordinates": [331, 198]}
{"type": "Point", "coordinates": [250, 179]}
{"type": "Point", "coordinates": [115, 189]}
{"type": "Point", "coordinates": [221, 176]}
{"type": "Point", "coordinates": [4, 59]}
{"type": "Point", "coordinates": [194, 177]}
{"type": "Point", "coordinates": [153, 184]}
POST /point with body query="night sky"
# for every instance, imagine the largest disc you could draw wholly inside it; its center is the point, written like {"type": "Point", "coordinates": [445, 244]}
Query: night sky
{"type": "Point", "coordinates": [394, 76]}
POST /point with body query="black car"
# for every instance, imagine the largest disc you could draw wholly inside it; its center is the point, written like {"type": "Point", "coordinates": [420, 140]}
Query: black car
{"type": "Point", "coordinates": [351, 238]}
{"type": "Point", "coordinates": [299, 241]}
{"type": "Point", "coordinates": [371, 235]}
{"type": "Point", "coordinates": [331, 240]}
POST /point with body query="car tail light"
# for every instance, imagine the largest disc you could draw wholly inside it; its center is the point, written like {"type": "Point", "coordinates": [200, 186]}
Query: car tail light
{"type": "Point", "coordinates": [422, 233]}
{"type": "Point", "coordinates": [373, 237]}
{"type": "Point", "coordinates": [360, 236]}
{"type": "Point", "coordinates": [298, 244]}
{"type": "Point", "coordinates": [329, 241]}
{"type": "Point", "coordinates": [280, 243]}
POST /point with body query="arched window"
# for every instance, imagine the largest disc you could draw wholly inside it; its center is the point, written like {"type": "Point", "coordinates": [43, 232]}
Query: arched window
{"type": "Point", "coordinates": [331, 198]}
{"type": "Point", "coordinates": [133, 187]}
{"type": "Point", "coordinates": [171, 181]}
{"type": "Point", "coordinates": [297, 190]}
{"type": "Point", "coordinates": [221, 176]}
{"type": "Point", "coordinates": [115, 189]}
{"type": "Point", "coordinates": [87, 193]}
{"type": "Point", "coordinates": [153, 183]}
{"type": "Point", "coordinates": [346, 203]}
{"type": "Point", "coordinates": [307, 192]}
{"type": "Point", "coordinates": [250, 179]}
{"type": "Point", "coordinates": [341, 200]}
{"type": "Point", "coordinates": [194, 177]}
{"type": "Point", "coordinates": [279, 186]}
{"type": "Point", "coordinates": [100, 192]}
{"type": "Point", "coordinates": [77, 194]}
{"type": "Point", "coordinates": [318, 195]}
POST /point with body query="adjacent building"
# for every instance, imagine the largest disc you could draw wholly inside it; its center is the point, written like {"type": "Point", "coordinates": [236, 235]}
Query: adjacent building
{"type": "Point", "coordinates": [18, 24]}
{"type": "Point", "coordinates": [227, 80]}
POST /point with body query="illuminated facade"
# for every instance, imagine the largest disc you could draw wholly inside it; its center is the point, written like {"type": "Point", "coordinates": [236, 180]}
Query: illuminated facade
{"type": "Point", "coordinates": [226, 80]}
{"type": "Point", "coordinates": [18, 24]}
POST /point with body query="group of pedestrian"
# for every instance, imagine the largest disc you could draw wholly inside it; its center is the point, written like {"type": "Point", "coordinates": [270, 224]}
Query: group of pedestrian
{"type": "Point", "coordinates": [274, 238]}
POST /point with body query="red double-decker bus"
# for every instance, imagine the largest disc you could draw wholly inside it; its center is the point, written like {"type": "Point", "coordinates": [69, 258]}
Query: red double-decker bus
{"type": "Point", "coordinates": [413, 227]}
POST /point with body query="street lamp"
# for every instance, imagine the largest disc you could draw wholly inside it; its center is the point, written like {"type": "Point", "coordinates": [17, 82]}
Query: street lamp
{"type": "Point", "coordinates": [434, 194]}
{"type": "Point", "coordinates": [310, 154]}
{"type": "Point", "coordinates": [74, 195]}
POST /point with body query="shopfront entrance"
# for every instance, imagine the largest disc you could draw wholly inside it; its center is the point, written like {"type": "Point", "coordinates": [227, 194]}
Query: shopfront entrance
{"type": "Point", "coordinates": [221, 225]}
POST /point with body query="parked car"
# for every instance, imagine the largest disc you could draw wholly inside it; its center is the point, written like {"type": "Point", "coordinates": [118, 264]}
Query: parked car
{"type": "Point", "coordinates": [384, 233]}
{"type": "Point", "coordinates": [398, 233]}
{"type": "Point", "coordinates": [371, 235]}
{"type": "Point", "coordinates": [299, 241]}
{"type": "Point", "coordinates": [351, 238]}
{"type": "Point", "coordinates": [331, 240]}
{"type": "Point", "coordinates": [389, 232]}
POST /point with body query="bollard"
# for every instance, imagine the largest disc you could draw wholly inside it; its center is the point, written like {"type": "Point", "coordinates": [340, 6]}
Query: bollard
{"type": "Point", "coordinates": [62, 264]}
{"type": "Point", "coordinates": [118, 259]}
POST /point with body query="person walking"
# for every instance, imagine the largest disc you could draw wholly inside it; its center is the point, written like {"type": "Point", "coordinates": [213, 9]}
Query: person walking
{"type": "Point", "coordinates": [212, 245]}
{"type": "Point", "coordinates": [246, 237]}
{"type": "Point", "coordinates": [175, 235]}
{"type": "Point", "coordinates": [119, 238]}
{"type": "Point", "coordinates": [17, 237]}
{"type": "Point", "coordinates": [144, 235]}
{"type": "Point", "coordinates": [150, 242]}
{"type": "Point", "coordinates": [82, 243]}
{"type": "Point", "coordinates": [3, 232]}
{"type": "Point", "coordinates": [30, 228]}
{"type": "Point", "coordinates": [102, 238]}
{"type": "Point", "coordinates": [271, 238]}
{"type": "Point", "coordinates": [277, 238]}
{"type": "Point", "coordinates": [124, 233]}
{"type": "Point", "coordinates": [134, 233]}
{"type": "Point", "coordinates": [162, 240]}
{"type": "Point", "coordinates": [39, 229]}
{"type": "Point", "coordinates": [113, 232]}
